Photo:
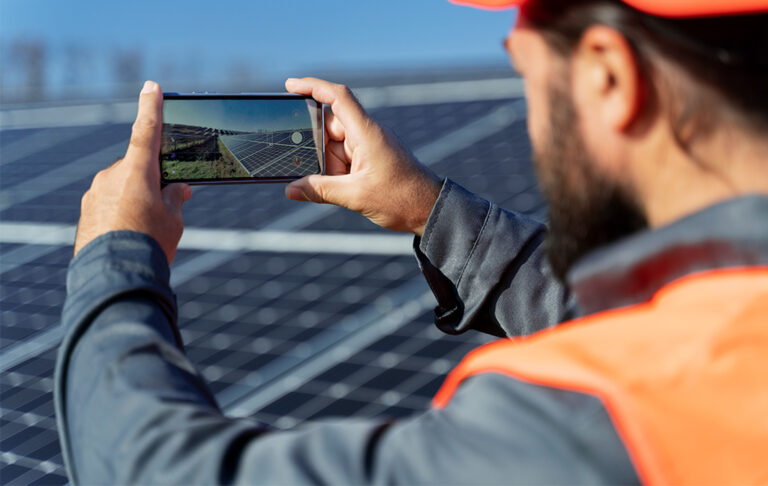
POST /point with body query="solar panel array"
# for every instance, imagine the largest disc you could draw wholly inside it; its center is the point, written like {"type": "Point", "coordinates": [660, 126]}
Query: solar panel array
{"type": "Point", "coordinates": [275, 154]}
{"type": "Point", "coordinates": [285, 336]}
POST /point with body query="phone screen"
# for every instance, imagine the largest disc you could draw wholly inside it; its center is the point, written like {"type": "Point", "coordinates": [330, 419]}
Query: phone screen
{"type": "Point", "coordinates": [210, 139]}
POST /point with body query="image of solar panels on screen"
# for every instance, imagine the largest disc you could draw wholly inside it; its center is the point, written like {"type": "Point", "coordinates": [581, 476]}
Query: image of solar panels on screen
{"type": "Point", "coordinates": [240, 138]}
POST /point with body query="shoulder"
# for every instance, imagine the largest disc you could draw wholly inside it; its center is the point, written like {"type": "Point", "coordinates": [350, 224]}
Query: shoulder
{"type": "Point", "coordinates": [497, 429]}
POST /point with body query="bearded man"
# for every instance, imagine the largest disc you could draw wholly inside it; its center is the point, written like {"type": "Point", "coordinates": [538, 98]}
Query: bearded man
{"type": "Point", "coordinates": [649, 123]}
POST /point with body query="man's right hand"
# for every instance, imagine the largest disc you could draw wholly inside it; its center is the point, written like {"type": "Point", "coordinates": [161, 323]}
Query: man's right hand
{"type": "Point", "coordinates": [367, 169]}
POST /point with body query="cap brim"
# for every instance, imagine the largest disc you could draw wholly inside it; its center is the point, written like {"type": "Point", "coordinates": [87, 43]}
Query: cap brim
{"type": "Point", "coordinates": [698, 8]}
{"type": "Point", "coordinates": [661, 8]}
{"type": "Point", "coordinates": [490, 4]}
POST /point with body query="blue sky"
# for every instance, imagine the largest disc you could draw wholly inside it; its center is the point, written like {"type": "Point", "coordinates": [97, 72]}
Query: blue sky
{"type": "Point", "coordinates": [243, 115]}
{"type": "Point", "coordinates": [210, 43]}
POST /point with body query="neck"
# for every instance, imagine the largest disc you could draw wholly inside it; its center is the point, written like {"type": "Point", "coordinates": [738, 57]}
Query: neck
{"type": "Point", "coordinates": [720, 166]}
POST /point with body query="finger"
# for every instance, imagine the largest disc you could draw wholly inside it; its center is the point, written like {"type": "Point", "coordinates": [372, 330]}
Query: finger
{"type": "Point", "coordinates": [175, 195]}
{"type": "Point", "coordinates": [333, 127]}
{"type": "Point", "coordinates": [144, 146]}
{"type": "Point", "coordinates": [320, 189]}
{"type": "Point", "coordinates": [343, 103]}
{"type": "Point", "coordinates": [336, 162]}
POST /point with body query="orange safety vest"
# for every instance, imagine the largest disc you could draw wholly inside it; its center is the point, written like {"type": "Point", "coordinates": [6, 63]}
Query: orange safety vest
{"type": "Point", "coordinates": [683, 376]}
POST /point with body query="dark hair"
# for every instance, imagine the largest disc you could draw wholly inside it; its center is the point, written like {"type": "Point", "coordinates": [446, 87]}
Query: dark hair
{"type": "Point", "coordinates": [726, 54]}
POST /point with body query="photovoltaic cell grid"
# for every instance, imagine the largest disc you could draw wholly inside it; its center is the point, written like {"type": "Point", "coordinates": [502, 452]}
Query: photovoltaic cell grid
{"type": "Point", "coordinates": [258, 316]}
{"type": "Point", "coordinates": [29, 447]}
{"type": "Point", "coordinates": [34, 153]}
{"type": "Point", "coordinates": [32, 293]}
{"type": "Point", "coordinates": [263, 307]}
{"type": "Point", "coordinates": [394, 377]}
{"type": "Point", "coordinates": [275, 154]}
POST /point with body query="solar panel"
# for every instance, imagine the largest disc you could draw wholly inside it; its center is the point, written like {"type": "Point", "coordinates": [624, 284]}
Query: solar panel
{"type": "Point", "coordinates": [395, 376]}
{"type": "Point", "coordinates": [29, 444]}
{"type": "Point", "coordinates": [274, 154]}
{"type": "Point", "coordinates": [289, 337]}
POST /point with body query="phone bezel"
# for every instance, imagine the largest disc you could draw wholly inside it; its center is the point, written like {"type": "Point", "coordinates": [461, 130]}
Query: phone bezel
{"type": "Point", "coordinates": [243, 96]}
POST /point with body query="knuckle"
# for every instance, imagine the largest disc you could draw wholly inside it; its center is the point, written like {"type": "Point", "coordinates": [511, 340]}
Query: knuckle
{"type": "Point", "coordinates": [100, 175]}
{"type": "Point", "coordinates": [143, 123]}
{"type": "Point", "coordinates": [142, 132]}
{"type": "Point", "coordinates": [372, 127]}
{"type": "Point", "coordinates": [342, 91]}
{"type": "Point", "coordinates": [136, 128]}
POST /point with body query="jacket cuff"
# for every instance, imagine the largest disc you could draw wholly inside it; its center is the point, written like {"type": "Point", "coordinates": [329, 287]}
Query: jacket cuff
{"type": "Point", "coordinates": [128, 249]}
{"type": "Point", "coordinates": [443, 252]}
{"type": "Point", "coordinates": [113, 264]}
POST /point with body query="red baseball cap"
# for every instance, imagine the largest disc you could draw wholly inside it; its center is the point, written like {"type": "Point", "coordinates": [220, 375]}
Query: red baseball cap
{"type": "Point", "coordinates": [661, 8]}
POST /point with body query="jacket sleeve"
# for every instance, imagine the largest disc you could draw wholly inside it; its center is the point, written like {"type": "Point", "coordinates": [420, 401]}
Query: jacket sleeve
{"type": "Point", "coordinates": [132, 409]}
{"type": "Point", "coordinates": [487, 268]}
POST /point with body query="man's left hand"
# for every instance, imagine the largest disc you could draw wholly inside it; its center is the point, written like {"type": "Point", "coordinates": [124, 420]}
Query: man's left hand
{"type": "Point", "coordinates": [127, 195]}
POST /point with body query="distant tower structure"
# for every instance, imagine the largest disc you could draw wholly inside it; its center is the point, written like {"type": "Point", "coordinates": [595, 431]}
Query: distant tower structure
{"type": "Point", "coordinates": [126, 70]}
{"type": "Point", "coordinates": [30, 57]}
{"type": "Point", "coordinates": [78, 66]}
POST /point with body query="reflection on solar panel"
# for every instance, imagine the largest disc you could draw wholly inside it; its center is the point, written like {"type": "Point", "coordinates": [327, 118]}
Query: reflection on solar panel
{"type": "Point", "coordinates": [289, 337]}
{"type": "Point", "coordinates": [275, 154]}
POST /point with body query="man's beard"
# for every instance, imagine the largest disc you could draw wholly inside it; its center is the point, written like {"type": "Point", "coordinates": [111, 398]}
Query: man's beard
{"type": "Point", "coordinates": [586, 208]}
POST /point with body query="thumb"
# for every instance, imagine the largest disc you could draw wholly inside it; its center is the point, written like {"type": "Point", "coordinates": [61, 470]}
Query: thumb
{"type": "Point", "coordinates": [175, 195]}
{"type": "Point", "coordinates": [320, 189]}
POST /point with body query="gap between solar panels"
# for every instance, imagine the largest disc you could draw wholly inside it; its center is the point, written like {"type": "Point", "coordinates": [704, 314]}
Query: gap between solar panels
{"type": "Point", "coordinates": [222, 240]}
{"type": "Point", "coordinates": [429, 154]}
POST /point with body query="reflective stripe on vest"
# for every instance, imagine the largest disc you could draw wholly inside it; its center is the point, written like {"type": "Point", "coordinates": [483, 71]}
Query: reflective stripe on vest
{"type": "Point", "coordinates": [684, 376]}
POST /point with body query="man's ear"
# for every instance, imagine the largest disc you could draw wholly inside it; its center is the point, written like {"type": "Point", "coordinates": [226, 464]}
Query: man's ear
{"type": "Point", "coordinates": [607, 79]}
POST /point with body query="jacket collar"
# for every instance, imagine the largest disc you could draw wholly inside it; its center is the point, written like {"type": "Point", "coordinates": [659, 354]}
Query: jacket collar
{"type": "Point", "coordinates": [729, 234]}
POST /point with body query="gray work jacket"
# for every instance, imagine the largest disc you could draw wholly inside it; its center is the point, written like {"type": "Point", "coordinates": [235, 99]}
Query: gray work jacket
{"type": "Point", "coordinates": [132, 408]}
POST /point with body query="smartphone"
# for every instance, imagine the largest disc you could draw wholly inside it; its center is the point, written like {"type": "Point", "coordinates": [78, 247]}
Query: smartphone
{"type": "Point", "coordinates": [211, 138]}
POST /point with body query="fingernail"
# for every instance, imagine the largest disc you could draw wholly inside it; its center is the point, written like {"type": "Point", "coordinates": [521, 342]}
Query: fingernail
{"type": "Point", "coordinates": [149, 86]}
{"type": "Point", "coordinates": [293, 193]}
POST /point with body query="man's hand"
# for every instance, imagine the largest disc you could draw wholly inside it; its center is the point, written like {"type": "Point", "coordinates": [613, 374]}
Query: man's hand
{"type": "Point", "coordinates": [127, 195]}
{"type": "Point", "coordinates": [367, 169]}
